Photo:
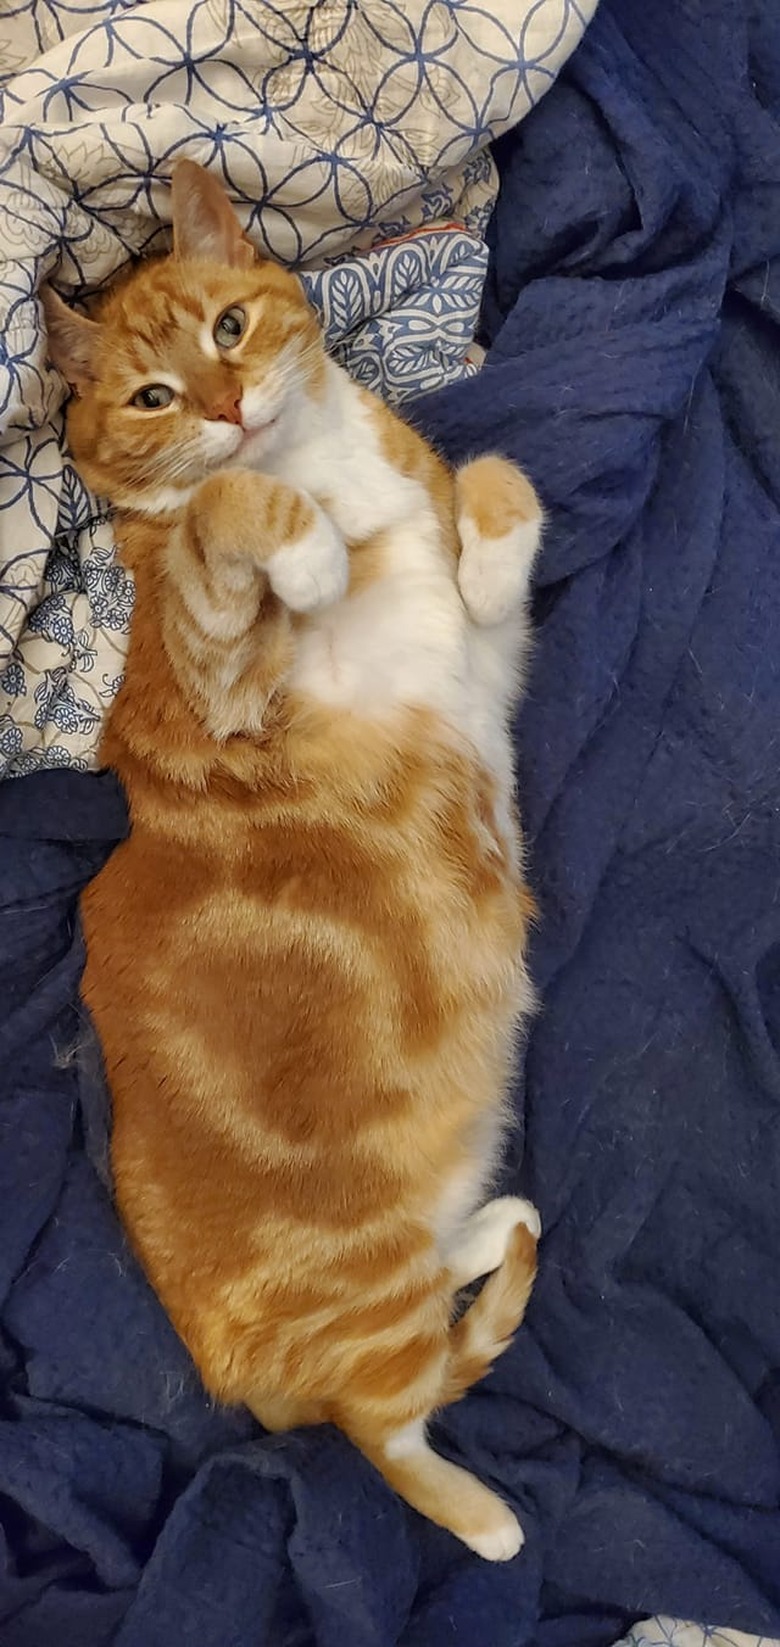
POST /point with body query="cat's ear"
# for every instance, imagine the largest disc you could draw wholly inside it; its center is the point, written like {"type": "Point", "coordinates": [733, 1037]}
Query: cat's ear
{"type": "Point", "coordinates": [204, 222]}
{"type": "Point", "coordinates": [72, 339]}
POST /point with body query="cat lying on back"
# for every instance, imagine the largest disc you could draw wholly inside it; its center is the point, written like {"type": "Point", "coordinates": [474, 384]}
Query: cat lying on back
{"type": "Point", "coordinates": [306, 963]}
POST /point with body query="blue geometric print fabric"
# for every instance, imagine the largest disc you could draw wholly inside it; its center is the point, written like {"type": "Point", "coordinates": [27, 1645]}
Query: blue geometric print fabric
{"type": "Point", "coordinates": [333, 126]}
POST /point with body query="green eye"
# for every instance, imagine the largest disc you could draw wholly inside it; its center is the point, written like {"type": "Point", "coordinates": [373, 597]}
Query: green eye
{"type": "Point", "coordinates": [153, 398]}
{"type": "Point", "coordinates": [230, 327]}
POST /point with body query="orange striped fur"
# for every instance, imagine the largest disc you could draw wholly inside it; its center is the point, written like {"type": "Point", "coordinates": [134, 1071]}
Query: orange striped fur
{"type": "Point", "coordinates": [306, 963]}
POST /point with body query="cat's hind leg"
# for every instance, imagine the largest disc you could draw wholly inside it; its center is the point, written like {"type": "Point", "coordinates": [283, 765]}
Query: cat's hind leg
{"type": "Point", "coordinates": [483, 1241]}
{"type": "Point", "coordinates": [401, 1452]}
{"type": "Point", "coordinates": [499, 520]}
{"type": "Point", "coordinates": [280, 1412]}
{"type": "Point", "coordinates": [445, 1493]}
{"type": "Point", "coordinates": [396, 1384]}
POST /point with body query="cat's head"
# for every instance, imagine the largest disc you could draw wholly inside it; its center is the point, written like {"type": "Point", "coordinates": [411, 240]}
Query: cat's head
{"type": "Point", "coordinates": [198, 361]}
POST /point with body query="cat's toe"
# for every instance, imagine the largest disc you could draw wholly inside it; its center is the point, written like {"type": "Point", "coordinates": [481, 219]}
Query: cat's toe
{"type": "Point", "coordinates": [312, 572]}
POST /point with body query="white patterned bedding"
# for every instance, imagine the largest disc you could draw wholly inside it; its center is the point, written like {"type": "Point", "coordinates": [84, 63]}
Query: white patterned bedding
{"type": "Point", "coordinates": [674, 1632]}
{"type": "Point", "coordinates": [334, 125]}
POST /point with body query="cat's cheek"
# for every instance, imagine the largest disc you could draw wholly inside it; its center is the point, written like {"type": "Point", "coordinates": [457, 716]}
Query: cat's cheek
{"type": "Point", "coordinates": [222, 442]}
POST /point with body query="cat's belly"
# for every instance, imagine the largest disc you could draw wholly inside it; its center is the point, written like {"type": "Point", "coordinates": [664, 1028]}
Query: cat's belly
{"type": "Point", "coordinates": [407, 643]}
{"type": "Point", "coordinates": [381, 649]}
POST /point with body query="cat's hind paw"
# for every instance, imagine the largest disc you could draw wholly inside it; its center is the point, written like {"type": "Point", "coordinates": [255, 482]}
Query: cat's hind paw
{"type": "Point", "coordinates": [313, 571]}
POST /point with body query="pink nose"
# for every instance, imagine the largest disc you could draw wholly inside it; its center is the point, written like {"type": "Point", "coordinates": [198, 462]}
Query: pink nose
{"type": "Point", "coordinates": [227, 409]}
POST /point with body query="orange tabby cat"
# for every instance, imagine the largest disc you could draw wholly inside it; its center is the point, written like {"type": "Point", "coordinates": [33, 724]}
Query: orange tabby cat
{"type": "Point", "coordinates": [306, 963]}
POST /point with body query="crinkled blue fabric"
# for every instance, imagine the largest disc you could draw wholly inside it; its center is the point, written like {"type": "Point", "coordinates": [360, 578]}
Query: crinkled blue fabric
{"type": "Point", "coordinates": [632, 309]}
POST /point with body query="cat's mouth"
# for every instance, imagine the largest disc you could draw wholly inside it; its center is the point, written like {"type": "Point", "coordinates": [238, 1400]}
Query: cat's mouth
{"type": "Point", "coordinates": [240, 444]}
{"type": "Point", "coordinates": [253, 437]}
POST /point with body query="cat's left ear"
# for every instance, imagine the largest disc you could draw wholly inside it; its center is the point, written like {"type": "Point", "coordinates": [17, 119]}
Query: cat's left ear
{"type": "Point", "coordinates": [72, 339]}
{"type": "Point", "coordinates": [204, 222]}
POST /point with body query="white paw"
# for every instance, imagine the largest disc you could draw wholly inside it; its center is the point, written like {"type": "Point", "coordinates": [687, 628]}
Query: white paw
{"type": "Point", "coordinates": [312, 572]}
{"type": "Point", "coordinates": [522, 1212]}
{"type": "Point", "coordinates": [500, 1217]}
{"type": "Point", "coordinates": [494, 574]}
{"type": "Point", "coordinates": [501, 1541]}
{"type": "Point", "coordinates": [485, 1237]}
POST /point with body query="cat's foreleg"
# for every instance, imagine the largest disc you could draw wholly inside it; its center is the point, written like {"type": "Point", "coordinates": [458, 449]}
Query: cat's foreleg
{"type": "Point", "coordinates": [245, 527]}
{"type": "Point", "coordinates": [243, 540]}
{"type": "Point", "coordinates": [499, 520]}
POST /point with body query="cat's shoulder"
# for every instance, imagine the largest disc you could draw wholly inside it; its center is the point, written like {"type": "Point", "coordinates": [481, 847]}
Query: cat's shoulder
{"type": "Point", "coordinates": [402, 447]}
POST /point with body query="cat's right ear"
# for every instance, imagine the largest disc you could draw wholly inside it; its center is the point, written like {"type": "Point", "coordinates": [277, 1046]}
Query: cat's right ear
{"type": "Point", "coordinates": [72, 340]}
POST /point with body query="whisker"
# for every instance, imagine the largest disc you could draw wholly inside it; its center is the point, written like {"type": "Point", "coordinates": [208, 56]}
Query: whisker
{"type": "Point", "coordinates": [168, 466]}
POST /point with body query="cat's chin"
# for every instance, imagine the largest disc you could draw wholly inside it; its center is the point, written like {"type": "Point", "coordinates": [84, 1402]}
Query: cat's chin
{"type": "Point", "coordinates": [254, 445]}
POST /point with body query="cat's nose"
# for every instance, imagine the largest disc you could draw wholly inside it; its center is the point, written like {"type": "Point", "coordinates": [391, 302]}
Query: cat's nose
{"type": "Point", "coordinates": [226, 408]}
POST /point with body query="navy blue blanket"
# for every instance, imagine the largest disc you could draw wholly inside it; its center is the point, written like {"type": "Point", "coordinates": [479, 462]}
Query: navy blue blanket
{"type": "Point", "coordinates": [633, 309]}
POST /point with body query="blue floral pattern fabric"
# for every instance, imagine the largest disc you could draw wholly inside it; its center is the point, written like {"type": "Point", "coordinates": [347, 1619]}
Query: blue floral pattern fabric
{"type": "Point", "coordinates": [334, 126]}
{"type": "Point", "coordinates": [402, 318]}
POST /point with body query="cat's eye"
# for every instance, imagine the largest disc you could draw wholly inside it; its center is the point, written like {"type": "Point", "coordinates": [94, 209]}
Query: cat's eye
{"type": "Point", "coordinates": [153, 398]}
{"type": "Point", "coordinates": [230, 327]}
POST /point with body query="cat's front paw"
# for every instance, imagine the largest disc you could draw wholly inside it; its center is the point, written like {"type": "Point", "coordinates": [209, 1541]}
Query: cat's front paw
{"type": "Point", "coordinates": [500, 525]}
{"type": "Point", "coordinates": [313, 571]}
{"type": "Point", "coordinates": [495, 573]}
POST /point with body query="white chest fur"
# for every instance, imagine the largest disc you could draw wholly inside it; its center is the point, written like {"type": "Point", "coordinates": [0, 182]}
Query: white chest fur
{"type": "Point", "coordinates": [406, 639]}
